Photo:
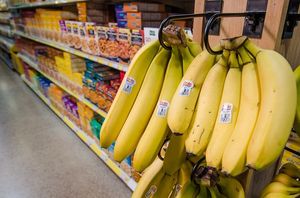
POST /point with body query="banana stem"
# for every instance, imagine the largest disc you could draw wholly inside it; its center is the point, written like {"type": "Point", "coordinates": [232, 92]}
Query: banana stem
{"type": "Point", "coordinates": [224, 57]}
{"type": "Point", "coordinates": [244, 55]}
{"type": "Point", "coordinates": [233, 61]}
{"type": "Point", "coordinates": [252, 48]}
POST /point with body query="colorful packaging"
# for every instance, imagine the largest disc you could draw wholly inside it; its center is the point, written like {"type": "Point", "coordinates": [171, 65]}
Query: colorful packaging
{"type": "Point", "coordinates": [69, 33]}
{"type": "Point", "coordinates": [124, 40]}
{"type": "Point", "coordinates": [137, 41]}
{"type": "Point", "coordinates": [92, 43]}
{"type": "Point", "coordinates": [112, 44]}
{"type": "Point", "coordinates": [83, 37]}
{"type": "Point", "coordinates": [102, 39]}
{"type": "Point", "coordinates": [150, 34]}
{"type": "Point", "coordinates": [76, 41]}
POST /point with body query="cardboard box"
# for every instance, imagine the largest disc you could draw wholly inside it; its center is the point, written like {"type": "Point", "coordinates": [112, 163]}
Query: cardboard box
{"type": "Point", "coordinates": [121, 15]}
{"type": "Point", "coordinates": [139, 6]}
{"type": "Point", "coordinates": [134, 24]}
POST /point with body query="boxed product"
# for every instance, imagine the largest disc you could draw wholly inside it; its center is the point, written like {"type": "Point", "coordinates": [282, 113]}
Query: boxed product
{"type": "Point", "coordinates": [122, 23]}
{"type": "Point", "coordinates": [102, 39]}
{"type": "Point", "coordinates": [124, 40]}
{"type": "Point", "coordinates": [119, 8]}
{"type": "Point", "coordinates": [83, 37]}
{"type": "Point", "coordinates": [76, 41]}
{"type": "Point", "coordinates": [69, 33]}
{"type": "Point", "coordinates": [140, 6]}
{"type": "Point", "coordinates": [121, 16]}
{"type": "Point", "coordinates": [91, 38]}
{"type": "Point", "coordinates": [137, 41]}
{"type": "Point", "coordinates": [112, 46]}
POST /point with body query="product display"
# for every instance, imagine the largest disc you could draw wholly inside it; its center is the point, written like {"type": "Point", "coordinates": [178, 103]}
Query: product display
{"type": "Point", "coordinates": [169, 115]}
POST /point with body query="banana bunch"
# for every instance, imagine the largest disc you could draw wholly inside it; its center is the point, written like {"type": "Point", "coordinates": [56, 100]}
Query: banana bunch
{"type": "Point", "coordinates": [285, 185]}
{"type": "Point", "coordinates": [137, 120]}
{"type": "Point", "coordinates": [246, 103]}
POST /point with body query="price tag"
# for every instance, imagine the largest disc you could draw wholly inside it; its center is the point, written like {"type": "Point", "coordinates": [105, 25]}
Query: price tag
{"type": "Point", "coordinates": [152, 190]}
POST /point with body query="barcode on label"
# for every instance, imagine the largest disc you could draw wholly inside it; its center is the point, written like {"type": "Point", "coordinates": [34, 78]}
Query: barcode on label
{"type": "Point", "coordinates": [226, 113]}
{"type": "Point", "coordinates": [152, 190]}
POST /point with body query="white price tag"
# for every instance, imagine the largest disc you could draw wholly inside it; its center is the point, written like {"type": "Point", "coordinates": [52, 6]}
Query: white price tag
{"type": "Point", "coordinates": [162, 108]}
{"type": "Point", "coordinates": [152, 190]}
{"type": "Point", "coordinates": [186, 88]}
{"type": "Point", "coordinates": [129, 83]}
{"type": "Point", "coordinates": [226, 113]}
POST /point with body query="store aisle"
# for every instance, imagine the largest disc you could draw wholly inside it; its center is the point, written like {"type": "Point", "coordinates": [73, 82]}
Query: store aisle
{"type": "Point", "coordinates": [40, 156]}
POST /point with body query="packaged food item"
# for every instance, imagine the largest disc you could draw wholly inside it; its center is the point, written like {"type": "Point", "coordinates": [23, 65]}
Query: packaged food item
{"type": "Point", "coordinates": [137, 41]}
{"type": "Point", "coordinates": [92, 42]}
{"type": "Point", "coordinates": [102, 39]}
{"type": "Point", "coordinates": [122, 23]}
{"type": "Point", "coordinates": [83, 37]}
{"type": "Point", "coordinates": [76, 41]}
{"type": "Point", "coordinates": [124, 40]}
{"type": "Point", "coordinates": [112, 44]}
{"type": "Point", "coordinates": [150, 34]}
{"type": "Point", "coordinates": [69, 33]}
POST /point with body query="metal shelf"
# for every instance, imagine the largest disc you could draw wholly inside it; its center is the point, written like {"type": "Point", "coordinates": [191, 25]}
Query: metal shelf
{"type": "Point", "coordinates": [87, 140]}
{"type": "Point", "coordinates": [8, 43]}
{"type": "Point", "coordinates": [44, 3]}
{"type": "Point", "coordinates": [79, 97]}
{"type": "Point", "coordinates": [104, 61]}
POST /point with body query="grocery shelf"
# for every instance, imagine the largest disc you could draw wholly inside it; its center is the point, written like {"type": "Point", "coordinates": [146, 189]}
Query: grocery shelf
{"type": "Point", "coordinates": [81, 98]}
{"type": "Point", "coordinates": [87, 140]}
{"type": "Point", "coordinates": [6, 31]}
{"type": "Point", "coordinates": [104, 61]}
{"type": "Point", "coordinates": [7, 42]}
{"type": "Point", "coordinates": [44, 3]}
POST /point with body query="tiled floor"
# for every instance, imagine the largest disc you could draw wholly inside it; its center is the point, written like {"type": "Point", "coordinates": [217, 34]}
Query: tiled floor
{"type": "Point", "coordinates": [40, 157]}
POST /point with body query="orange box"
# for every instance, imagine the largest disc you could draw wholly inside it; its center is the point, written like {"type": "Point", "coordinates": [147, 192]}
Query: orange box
{"type": "Point", "coordinates": [134, 24]}
{"type": "Point", "coordinates": [134, 15]}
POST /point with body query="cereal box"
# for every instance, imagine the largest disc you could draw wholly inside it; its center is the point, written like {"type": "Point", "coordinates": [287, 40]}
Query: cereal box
{"type": "Point", "coordinates": [76, 42]}
{"type": "Point", "coordinates": [69, 35]}
{"type": "Point", "coordinates": [102, 39]}
{"type": "Point", "coordinates": [124, 40]}
{"type": "Point", "coordinates": [137, 41]}
{"type": "Point", "coordinates": [63, 32]}
{"type": "Point", "coordinates": [83, 37]}
{"type": "Point", "coordinates": [112, 44]}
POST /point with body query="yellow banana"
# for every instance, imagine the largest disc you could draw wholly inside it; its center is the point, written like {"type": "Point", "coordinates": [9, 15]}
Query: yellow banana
{"type": "Point", "coordinates": [234, 157]}
{"type": "Point", "coordinates": [194, 47]}
{"type": "Point", "coordinates": [127, 93]}
{"type": "Point", "coordinates": [150, 180]}
{"type": "Point", "coordinates": [157, 128]}
{"type": "Point", "coordinates": [231, 187]}
{"type": "Point", "coordinates": [207, 110]}
{"type": "Point", "coordinates": [297, 118]}
{"type": "Point", "coordinates": [188, 190]}
{"type": "Point", "coordinates": [286, 180]}
{"type": "Point", "coordinates": [175, 154]}
{"type": "Point", "coordinates": [277, 109]}
{"type": "Point", "coordinates": [142, 109]}
{"type": "Point", "coordinates": [187, 58]}
{"type": "Point", "coordinates": [281, 195]}
{"type": "Point", "coordinates": [166, 186]}
{"type": "Point", "coordinates": [290, 170]}
{"type": "Point", "coordinates": [277, 187]}
{"type": "Point", "coordinates": [227, 115]}
{"type": "Point", "coordinates": [185, 98]}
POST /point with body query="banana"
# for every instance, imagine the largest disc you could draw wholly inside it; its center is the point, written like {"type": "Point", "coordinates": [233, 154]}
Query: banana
{"type": "Point", "coordinates": [203, 192]}
{"type": "Point", "coordinates": [127, 93]}
{"type": "Point", "coordinates": [207, 110]}
{"type": "Point", "coordinates": [185, 98]}
{"type": "Point", "coordinates": [157, 128]}
{"type": "Point", "coordinates": [214, 192]}
{"type": "Point", "coordinates": [189, 190]}
{"type": "Point", "coordinates": [175, 154]}
{"type": "Point", "coordinates": [166, 186]}
{"type": "Point", "coordinates": [227, 115]}
{"type": "Point", "coordinates": [150, 180]}
{"type": "Point", "coordinates": [234, 157]}
{"type": "Point", "coordinates": [194, 47]}
{"type": "Point", "coordinates": [143, 107]}
{"type": "Point", "coordinates": [277, 187]}
{"type": "Point", "coordinates": [290, 170]}
{"type": "Point", "coordinates": [297, 118]}
{"type": "Point", "coordinates": [187, 58]}
{"type": "Point", "coordinates": [286, 180]}
{"type": "Point", "coordinates": [277, 109]}
{"type": "Point", "coordinates": [281, 195]}
{"type": "Point", "coordinates": [231, 187]}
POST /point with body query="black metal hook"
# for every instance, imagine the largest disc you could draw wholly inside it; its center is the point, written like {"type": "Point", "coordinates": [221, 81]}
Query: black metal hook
{"type": "Point", "coordinates": [176, 18]}
{"type": "Point", "coordinates": [214, 17]}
